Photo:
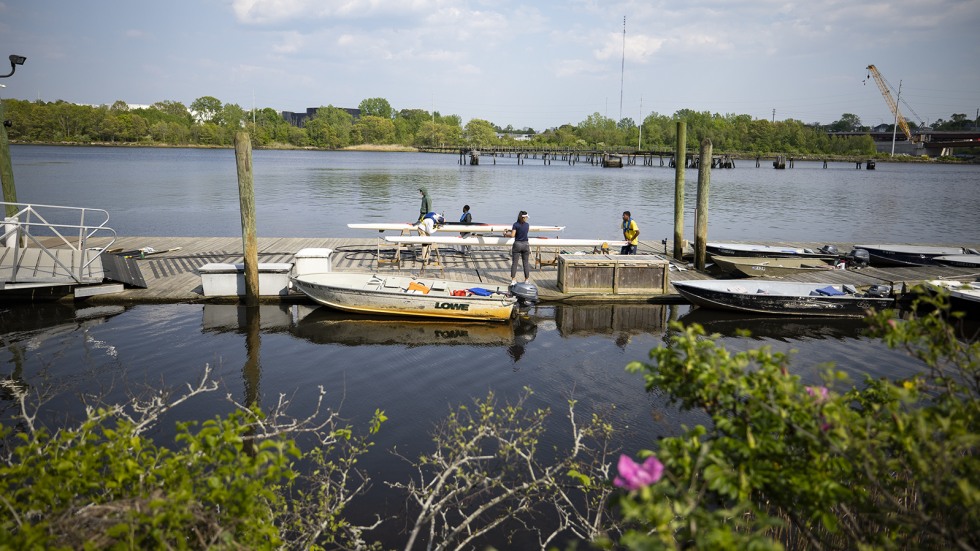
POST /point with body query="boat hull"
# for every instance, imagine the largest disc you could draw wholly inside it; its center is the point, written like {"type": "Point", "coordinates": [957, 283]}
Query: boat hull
{"type": "Point", "coordinates": [963, 297]}
{"type": "Point", "coordinates": [959, 260]}
{"type": "Point", "coordinates": [778, 298]}
{"type": "Point", "coordinates": [906, 255]}
{"type": "Point", "coordinates": [400, 296]}
{"type": "Point", "coordinates": [751, 266]}
{"type": "Point", "coordinates": [763, 251]}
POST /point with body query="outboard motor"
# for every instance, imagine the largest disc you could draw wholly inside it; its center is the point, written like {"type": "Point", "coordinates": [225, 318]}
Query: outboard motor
{"type": "Point", "coordinates": [526, 293]}
{"type": "Point", "coordinates": [829, 249]}
{"type": "Point", "coordinates": [858, 258]}
{"type": "Point", "coordinates": [879, 291]}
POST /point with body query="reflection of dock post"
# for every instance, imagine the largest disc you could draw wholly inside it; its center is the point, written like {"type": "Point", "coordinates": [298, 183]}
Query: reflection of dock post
{"type": "Point", "coordinates": [701, 216]}
{"type": "Point", "coordinates": [681, 163]}
{"type": "Point", "coordinates": [252, 371]}
{"type": "Point", "coordinates": [246, 197]}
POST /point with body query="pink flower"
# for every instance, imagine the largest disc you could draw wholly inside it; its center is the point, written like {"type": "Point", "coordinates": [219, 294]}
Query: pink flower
{"type": "Point", "coordinates": [633, 476]}
{"type": "Point", "coordinates": [819, 392]}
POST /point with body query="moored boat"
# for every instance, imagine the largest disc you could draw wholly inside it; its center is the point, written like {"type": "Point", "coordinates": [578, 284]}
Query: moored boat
{"type": "Point", "coordinates": [755, 266]}
{"type": "Point", "coordinates": [963, 297]}
{"type": "Point", "coordinates": [827, 252]}
{"type": "Point", "coordinates": [787, 298]}
{"type": "Point", "coordinates": [370, 293]}
{"type": "Point", "coordinates": [959, 260]}
{"type": "Point", "coordinates": [906, 255]}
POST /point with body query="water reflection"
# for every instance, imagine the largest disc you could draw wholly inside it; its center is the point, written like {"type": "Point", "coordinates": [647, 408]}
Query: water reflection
{"type": "Point", "coordinates": [781, 328]}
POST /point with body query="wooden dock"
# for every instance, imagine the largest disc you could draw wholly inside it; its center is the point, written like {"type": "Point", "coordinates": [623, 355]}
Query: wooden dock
{"type": "Point", "coordinates": [173, 276]}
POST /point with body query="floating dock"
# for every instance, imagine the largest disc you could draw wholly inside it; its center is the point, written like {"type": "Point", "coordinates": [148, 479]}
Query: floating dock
{"type": "Point", "coordinates": [173, 274]}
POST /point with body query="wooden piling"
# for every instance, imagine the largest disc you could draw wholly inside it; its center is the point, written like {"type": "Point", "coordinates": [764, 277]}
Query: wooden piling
{"type": "Point", "coordinates": [246, 198]}
{"type": "Point", "coordinates": [680, 165]}
{"type": "Point", "coordinates": [6, 169]}
{"type": "Point", "coordinates": [701, 215]}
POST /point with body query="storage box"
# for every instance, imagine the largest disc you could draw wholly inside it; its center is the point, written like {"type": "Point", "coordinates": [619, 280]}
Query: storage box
{"type": "Point", "coordinates": [312, 261]}
{"type": "Point", "coordinates": [616, 274]}
{"type": "Point", "coordinates": [219, 280]}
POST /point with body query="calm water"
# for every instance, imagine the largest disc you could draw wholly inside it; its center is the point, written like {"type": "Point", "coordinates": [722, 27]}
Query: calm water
{"type": "Point", "coordinates": [194, 192]}
{"type": "Point", "coordinates": [417, 371]}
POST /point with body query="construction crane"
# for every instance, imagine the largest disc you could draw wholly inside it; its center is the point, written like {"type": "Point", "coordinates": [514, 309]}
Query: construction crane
{"type": "Point", "coordinates": [886, 89]}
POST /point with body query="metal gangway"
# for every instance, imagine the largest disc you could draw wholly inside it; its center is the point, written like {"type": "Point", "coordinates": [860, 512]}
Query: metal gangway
{"type": "Point", "coordinates": [48, 245]}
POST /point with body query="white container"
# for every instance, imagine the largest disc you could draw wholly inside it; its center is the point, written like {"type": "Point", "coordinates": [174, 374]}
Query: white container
{"type": "Point", "coordinates": [221, 280]}
{"type": "Point", "coordinates": [312, 261]}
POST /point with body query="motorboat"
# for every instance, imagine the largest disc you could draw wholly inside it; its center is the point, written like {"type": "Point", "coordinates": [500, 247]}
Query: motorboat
{"type": "Point", "coordinates": [786, 298]}
{"type": "Point", "coordinates": [757, 266]}
{"type": "Point", "coordinates": [958, 260]}
{"type": "Point", "coordinates": [828, 252]}
{"type": "Point", "coordinates": [906, 255]}
{"type": "Point", "coordinates": [370, 293]}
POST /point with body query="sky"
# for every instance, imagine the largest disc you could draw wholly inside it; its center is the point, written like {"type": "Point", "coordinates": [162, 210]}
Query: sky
{"type": "Point", "coordinates": [531, 65]}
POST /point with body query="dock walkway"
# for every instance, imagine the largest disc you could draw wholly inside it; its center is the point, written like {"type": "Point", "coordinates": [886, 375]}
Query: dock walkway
{"type": "Point", "coordinates": [173, 276]}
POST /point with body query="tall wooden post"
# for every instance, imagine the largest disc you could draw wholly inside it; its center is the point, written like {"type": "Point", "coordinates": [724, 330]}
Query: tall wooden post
{"type": "Point", "coordinates": [6, 169]}
{"type": "Point", "coordinates": [680, 164]}
{"type": "Point", "coordinates": [701, 217]}
{"type": "Point", "coordinates": [246, 197]}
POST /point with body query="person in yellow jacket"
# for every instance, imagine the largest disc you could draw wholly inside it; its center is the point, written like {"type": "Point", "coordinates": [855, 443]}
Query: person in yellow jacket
{"type": "Point", "coordinates": [631, 233]}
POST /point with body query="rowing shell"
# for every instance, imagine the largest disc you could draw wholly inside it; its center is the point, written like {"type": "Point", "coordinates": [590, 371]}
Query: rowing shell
{"type": "Point", "coordinates": [453, 227]}
{"type": "Point", "coordinates": [500, 241]}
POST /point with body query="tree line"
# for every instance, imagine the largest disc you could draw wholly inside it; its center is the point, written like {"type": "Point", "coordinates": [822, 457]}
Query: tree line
{"type": "Point", "coordinates": [209, 122]}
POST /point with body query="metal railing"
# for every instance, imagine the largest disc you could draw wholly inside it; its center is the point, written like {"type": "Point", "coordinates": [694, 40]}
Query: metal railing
{"type": "Point", "coordinates": [31, 223]}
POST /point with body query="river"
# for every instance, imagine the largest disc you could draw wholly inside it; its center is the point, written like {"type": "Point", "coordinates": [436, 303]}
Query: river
{"type": "Point", "coordinates": [416, 372]}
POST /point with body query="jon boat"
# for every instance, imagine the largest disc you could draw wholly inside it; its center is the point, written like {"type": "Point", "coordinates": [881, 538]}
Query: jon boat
{"type": "Point", "coordinates": [907, 255]}
{"type": "Point", "coordinates": [407, 296]}
{"type": "Point", "coordinates": [754, 266]}
{"type": "Point", "coordinates": [963, 297]}
{"type": "Point", "coordinates": [959, 260]}
{"type": "Point", "coordinates": [780, 297]}
{"type": "Point", "coordinates": [766, 251]}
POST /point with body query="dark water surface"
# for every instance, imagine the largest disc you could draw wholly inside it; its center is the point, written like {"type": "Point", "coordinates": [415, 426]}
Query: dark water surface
{"type": "Point", "coordinates": [417, 371]}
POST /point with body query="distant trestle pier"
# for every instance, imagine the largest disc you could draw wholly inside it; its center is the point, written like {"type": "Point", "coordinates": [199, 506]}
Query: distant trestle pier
{"type": "Point", "coordinates": [617, 159]}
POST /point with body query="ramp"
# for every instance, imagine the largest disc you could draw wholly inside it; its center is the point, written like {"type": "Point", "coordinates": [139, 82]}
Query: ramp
{"type": "Point", "coordinates": [123, 270]}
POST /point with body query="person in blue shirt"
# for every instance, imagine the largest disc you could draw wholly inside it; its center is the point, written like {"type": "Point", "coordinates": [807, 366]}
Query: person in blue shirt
{"type": "Point", "coordinates": [521, 248]}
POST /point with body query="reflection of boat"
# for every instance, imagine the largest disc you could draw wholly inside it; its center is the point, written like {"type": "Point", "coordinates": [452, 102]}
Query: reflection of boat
{"type": "Point", "coordinates": [768, 251]}
{"type": "Point", "coordinates": [786, 298]}
{"type": "Point", "coordinates": [753, 266]}
{"type": "Point", "coordinates": [325, 326]}
{"type": "Point", "coordinates": [774, 327]}
{"type": "Point", "coordinates": [407, 296]}
{"type": "Point", "coordinates": [959, 260]}
{"type": "Point", "coordinates": [906, 255]}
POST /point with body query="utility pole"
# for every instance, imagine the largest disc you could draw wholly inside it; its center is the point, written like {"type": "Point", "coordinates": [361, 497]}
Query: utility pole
{"type": "Point", "coordinates": [639, 139]}
{"type": "Point", "coordinates": [774, 116]}
{"type": "Point", "coordinates": [895, 126]}
{"type": "Point", "coordinates": [622, 72]}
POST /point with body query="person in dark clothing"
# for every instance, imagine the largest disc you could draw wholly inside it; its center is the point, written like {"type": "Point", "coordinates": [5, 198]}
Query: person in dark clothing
{"type": "Point", "coordinates": [466, 218]}
{"type": "Point", "coordinates": [521, 248]}
{"type": "Point", "coordinates": [426, 203]}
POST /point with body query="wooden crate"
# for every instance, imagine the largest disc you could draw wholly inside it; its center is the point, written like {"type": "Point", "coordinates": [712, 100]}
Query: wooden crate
{"type": "Point", "coordinates": [616, 274]}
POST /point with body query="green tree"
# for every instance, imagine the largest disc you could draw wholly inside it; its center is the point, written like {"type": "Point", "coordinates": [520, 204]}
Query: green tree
{"type": "Point", "coordinates": [479, 133]}
{"type": "Point", "coordinates": [377, 107]}
{"type": "Point", "coordinates": [206, 109]}
{"type": "Point", "coordinates": [374, 130]}
{"type": "Point", "coordinates": [848, 122]}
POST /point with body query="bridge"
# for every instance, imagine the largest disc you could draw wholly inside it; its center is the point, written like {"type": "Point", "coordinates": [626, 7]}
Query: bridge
{"type": "Point", "coordinates": [934, 143]}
